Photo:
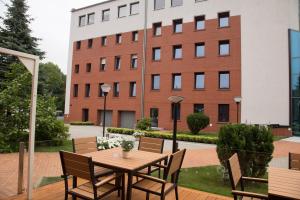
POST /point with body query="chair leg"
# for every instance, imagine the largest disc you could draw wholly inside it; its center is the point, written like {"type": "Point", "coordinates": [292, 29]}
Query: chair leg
{"type": "Point", "coordinates": [118, 183]}
{"type": "Point", "coordinates": [158, 172]}
{"type": "Point", "coordinates": [176, 192]}
{"type": "Point", "coordinates": [123, 187]}
{"type": "Point", "coordinates": [147, 196]}
{"type": "Point", "coordinates": [66, 195]}
{"type": "Point", "coordinates": [162, 197]}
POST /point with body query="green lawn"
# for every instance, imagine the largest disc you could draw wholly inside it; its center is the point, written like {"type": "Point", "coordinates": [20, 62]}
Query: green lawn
{"type": "Point", "coordinates": [209, 179]}
{"type": "Point", "coordinates": [49, 180]}
{"type": "Point", "coordinates": [67, 146]}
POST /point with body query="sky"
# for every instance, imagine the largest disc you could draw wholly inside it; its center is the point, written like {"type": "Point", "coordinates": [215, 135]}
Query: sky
{"type": "Point", "coordinates": [52, 24]}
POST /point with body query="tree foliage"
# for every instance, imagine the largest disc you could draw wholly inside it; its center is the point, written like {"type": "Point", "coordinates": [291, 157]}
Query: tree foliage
{"type": "Point", "coordinates": [197, 121]}
{"type": "Point", "coordinates": [144, 124]}
{"type": "Point", "coordinates": [254, 145]}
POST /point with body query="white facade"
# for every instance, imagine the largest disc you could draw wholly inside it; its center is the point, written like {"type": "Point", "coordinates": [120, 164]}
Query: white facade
{"type": "Point", "coordinates": [265, 57]}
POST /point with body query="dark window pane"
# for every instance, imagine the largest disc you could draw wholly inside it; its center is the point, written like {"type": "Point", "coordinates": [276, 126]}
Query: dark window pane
{"type": "Point", "coordinates": [88, 67]}
{"type": "Point", "coordinates": [157, 29]}
{"type": "Point", "coordinates": [155, 82]}
{"type": "Point", "coordinates": [224, 47]}
{"type": "Point", "coordinates": [104, 41]}
{"type": "Point", "coordinates": [135, 36]}
{"type": "Point", "coordinates": [117, 63]}
{"type": "Point", "coordinates": [78, 45]}
{"type": "Point", "coordinates": [199, 80]}
{"type": "Point", "coordinates": [85, 115]}
{"type": "Point", "coordinates": [198, 108]}
{"type": "Point", "coordinates": [118, 38]}
{"type": "Point", "coordinates": [133, 89]}
{"type": "Point", "coordinates": [224, 19]}
{"type": "Point", "coordinates": [154, 117]}
{"type": "Point", "coordinates": [159, 4]}
{"type": "Point", "coordinates": [100, 92]}
{"type": "Point", "coordinates": [223, 115]}
{"type": "Point", "coordinates": [156, 54]}
{"type": "Point", "coordinates": [75, 90]}
{"type": "Point", "coordinates": [116, 89]}
{"type": "Point", "coordinates": [177, 52]}
{"type": "Point", "coordinates": [200, 49]}
{"type": "Point", "coordinates": [177, 26]}
{"type": "Point", "coordinates": [176, 81]}
{"type": "Point", "coordinates": [87, 90]}
{"type": "Point", "coordinates": [134, 61]}
{"type": "Point", "coordinates": [200, 22]}
{"type": "Point", "coordinates": [90, 43]}
{"type": "Point", "coordinates": [76, 69]}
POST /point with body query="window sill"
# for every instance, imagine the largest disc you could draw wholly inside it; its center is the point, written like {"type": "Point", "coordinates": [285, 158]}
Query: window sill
{"type": "Point", "coordinates": [121, 17]}
{"type": "Point", "coordinates": [175, 6]}
{"type": "Point", "coordinates": [176, 90]}
{"type": "Point", "coordinates": [132, 97]}
{"type": "Point", "coordinates": [200, 30]}
{"type": "Point", "coordinates": [158, 9]}
{"type": "Point", "coordinates": [200, 57]}
{"type": "Point", "coordinates": [155, 90]}
{"type": "Point", "coordinates": [199, 89]}
{"type": "Point", "coordinates": [177, 59]}
{"type": "Point", "coordinates": [117, 70]}
{"type": "Point", "coordinates": [102, 70]}
{"type": "Point", "coordinates": [133, 68]}
{"type": "Point", "coordinates": [134, 14]}
{"type": "Point", "coordinates": [116, 97]}
{"type": "Point", "coordinates": [177, 33]}
{"type": "Point", "coordinates": [156, 61]}
{"type": "Point", "coordinates": [224, 27]}
{"type": "Point", "coordinates": [134, 42]}
{"type": "Point", "coordinates": [221, 56]}
{"type": "Point", "coordinates": [157, 36]}
{"type": "Point", "coordinates": [224, 89]}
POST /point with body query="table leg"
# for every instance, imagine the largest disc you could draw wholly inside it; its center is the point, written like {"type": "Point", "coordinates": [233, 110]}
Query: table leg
{"type": "Point", "coordinates": [129, 186]}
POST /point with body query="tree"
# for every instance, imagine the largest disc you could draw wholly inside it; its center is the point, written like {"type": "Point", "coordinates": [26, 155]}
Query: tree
{"type": "Point", "coordinates": [15, 109]}
{"type": "Point", "coordinates": [52, 83]}
{"type": "Point", "coordinates": [15, 34]}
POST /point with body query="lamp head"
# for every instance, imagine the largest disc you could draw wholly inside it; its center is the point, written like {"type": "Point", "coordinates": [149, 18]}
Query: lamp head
{"type": "Point", "coordinates": [237, 99]}
{"type": "Point", "coordinates": [175, 99]}
{"type": "Point", "coordinates": [105, 88]}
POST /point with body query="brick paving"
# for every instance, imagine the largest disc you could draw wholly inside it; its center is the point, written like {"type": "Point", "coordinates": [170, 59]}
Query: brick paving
{"type": "Point", "coordinates": [48, 164]}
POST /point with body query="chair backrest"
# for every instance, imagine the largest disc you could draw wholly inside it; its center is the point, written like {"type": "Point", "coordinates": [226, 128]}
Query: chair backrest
{"type": "Point", "coordinates": [154, 145]}
{"type": "Point", "coordinates": [294, 161]}
{"type": "Point", "coordinates": [77, 165]}
{"type": "Point", "coordinates": [175, 163]}
{"type": "Point", "coordinates": [84, 145]}
{"type": "Point", "coordinates": [234, 170]}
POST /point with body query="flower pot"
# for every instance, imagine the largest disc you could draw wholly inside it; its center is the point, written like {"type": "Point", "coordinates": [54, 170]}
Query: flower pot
{"type": "Point", "coordinates": [125, 154]}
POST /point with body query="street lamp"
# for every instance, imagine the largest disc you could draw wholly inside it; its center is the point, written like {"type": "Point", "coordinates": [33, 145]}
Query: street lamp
{"type": "Point", "coordinates": [175, 101]}
{"type": "Point", "coordinates": [237, 101]}
{"type": "Point", "coordinates": [105, 89]}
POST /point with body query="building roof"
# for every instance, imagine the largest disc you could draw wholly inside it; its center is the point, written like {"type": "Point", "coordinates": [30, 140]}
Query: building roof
{"type": "Point", "coordinates": [82, 8]}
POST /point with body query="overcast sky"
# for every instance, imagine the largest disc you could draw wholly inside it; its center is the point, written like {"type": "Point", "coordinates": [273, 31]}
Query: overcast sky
{"type": "Point", "coordinates": [51, 24]}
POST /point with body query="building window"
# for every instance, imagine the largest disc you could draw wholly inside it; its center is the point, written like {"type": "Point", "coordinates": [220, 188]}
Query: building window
{"type": "Point", "coordinates": [76, 69]}
{"type": "Point", "coordinates": [87, 90]}
{"type": "Point", "coordinates": [159, 4]}
{"type": "Point", "coordinates": [224, 47]}
{"type": "Point", "coordinates": [198, 108]}
{"type": "Point", "coordinates": [176, 81]}
{"type": "Point", "coordinates": [200, 50]}
{"type": "Point", "coordinates": [102, 64]}
{"type": "Point", "coordinates": [177, 26]}
{"type": "Point", "coordinates": [105, 15]}
{"type": "Point", "coordinates": [134, 8]}
{"type": "Point", "coordinates": [132, 91]}
{"type": "Point", "coordinates": [199, 80]}
{"type": "Point", "coordinates": [223, 19]}
{"type": "Point", "coordinates": [134, 61]}
{"type": "Point", "coordinates": [154, 117]}
{"type": "Point", "coordinates": [85, 115]}
{"type": "Point", "coordinates": [90, 43]}
{"type": "Point", "coordinates": [177, 51]}
{"type": "Point", "coordinates": [135, 36]}
{"type": "Point", "coordinates": [173, 110]}
{"type": "Point", "coordinates": [91, 18]}
{"type": "Point", "coordinates": [155, 82]}
{"type": "Point", "coordinates": [119, 38]}
{"type": "Point", "coordinates": [200, 22]}
{"type": "Point", "coordinates": [88, 67]}
{"type": "Point", "coordinates": [75, 90]}
{"type": "Point", "coordinates": [82, 20]}
{"type": "Point", "coordinates": [100, 91]}
{"type": "Point", "coordinates": [117, 63]}
{"type": "Point", "coordinates": [156, 54]}
{"type": "Point", "coordinates": [223, 113]}
{"type": "Point", "coordinates": [157, 29]}
{"type": "Point", "coordinates": [104, 41]}
{"type": "Point", "coordinates": [176, 3]}
{"type": "Point", "coordinates": [78, 45]}
{"type": "Point", "coordinates": [122, 11]}
{"type": "Point", "coordinates": [116, 89]}
{"type": "Point", "coordinates": [224, 80]}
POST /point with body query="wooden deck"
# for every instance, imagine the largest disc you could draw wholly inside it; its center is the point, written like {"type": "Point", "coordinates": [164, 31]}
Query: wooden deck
{"type": "Point", "coordinates": [56, 192]}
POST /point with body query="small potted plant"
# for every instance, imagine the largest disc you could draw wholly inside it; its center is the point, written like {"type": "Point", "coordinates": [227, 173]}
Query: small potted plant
{"type": "Point", "coordinates": [127, 146]}
{"type": "Point", "coordinates": [138, 135]}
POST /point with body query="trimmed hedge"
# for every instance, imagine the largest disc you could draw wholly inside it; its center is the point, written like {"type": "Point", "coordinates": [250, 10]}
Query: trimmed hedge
{"type": "Point", "coordinates": [181, 137]}
{"type": "Point", "coordinates": [82, 123]}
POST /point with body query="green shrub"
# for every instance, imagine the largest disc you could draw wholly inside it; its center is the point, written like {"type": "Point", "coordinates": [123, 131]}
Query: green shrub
{"type": "Point", "coordinates": [78, 123]}
{"type": "Point", "coordinates": [144, 124]}
{"type": "Point", "coordinates": [254, 145]}
{"type": "Point", "coordinates": [169, 136]}
{"type": "Point", "coordinates": [197, 121]}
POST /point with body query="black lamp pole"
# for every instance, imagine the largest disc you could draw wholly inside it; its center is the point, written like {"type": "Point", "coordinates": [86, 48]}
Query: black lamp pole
{"type": "Point", "coordinates": [237, 111]}
{"type": "Point", "coordinates": [105, 94]}
{"type": "Point", "coordinates": [174, 149]}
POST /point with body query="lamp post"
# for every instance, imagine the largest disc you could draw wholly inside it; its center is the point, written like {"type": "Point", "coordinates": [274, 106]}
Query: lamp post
{"type": "Point", "coordinates": [105, 89]}
{"type": "Point", "coordinates": [237, 101]}
{"type": "Point", "coordinates": [175, 101]}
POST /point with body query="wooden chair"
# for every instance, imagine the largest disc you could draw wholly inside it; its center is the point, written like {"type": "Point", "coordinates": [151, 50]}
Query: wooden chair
{"type": "Point", "coordinates": [154, 145]}
{"type": "Point", "coordinates": [161, 187]}
{"type": "Point", "coordinates": [294, 161]}
{"type": "Point", "coordinates": [87, 145]}
{"type": "Point", "coordinates": [236, 178]}
{"type": "Point", "coordinates": [82, 167]}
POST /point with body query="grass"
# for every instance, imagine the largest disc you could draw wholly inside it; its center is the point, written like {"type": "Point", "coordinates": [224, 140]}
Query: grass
{"type": "Point", "coordinates": [209, 179]}
{"type": "Point", "coordinates": [67, 146]}
{"type": "Point", "coordinates": [49, 180]}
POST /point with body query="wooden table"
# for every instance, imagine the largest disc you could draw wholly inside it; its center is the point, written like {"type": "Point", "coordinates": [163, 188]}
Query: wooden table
{"type": "Point", "coordinates": [284, 183]}
{"type": "Point", "coordinates": [136, 161]}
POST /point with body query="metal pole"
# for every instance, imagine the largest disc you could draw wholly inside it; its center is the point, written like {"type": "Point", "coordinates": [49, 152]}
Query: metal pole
{"type": "Point", "coordinates": [105, 94]}
{"type": "Point", "coordinates": [174, 149]}
{"type": "Point", "coordinates": [237, 112]}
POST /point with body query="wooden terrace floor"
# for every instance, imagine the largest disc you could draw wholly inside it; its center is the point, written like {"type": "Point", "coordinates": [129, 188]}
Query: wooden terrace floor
{"type": "Point", "coordinates": [56, 192]}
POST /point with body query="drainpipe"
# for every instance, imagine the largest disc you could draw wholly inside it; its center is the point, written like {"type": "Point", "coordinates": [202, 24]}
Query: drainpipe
{"type": "Point", "coordinates": [144, 59]}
